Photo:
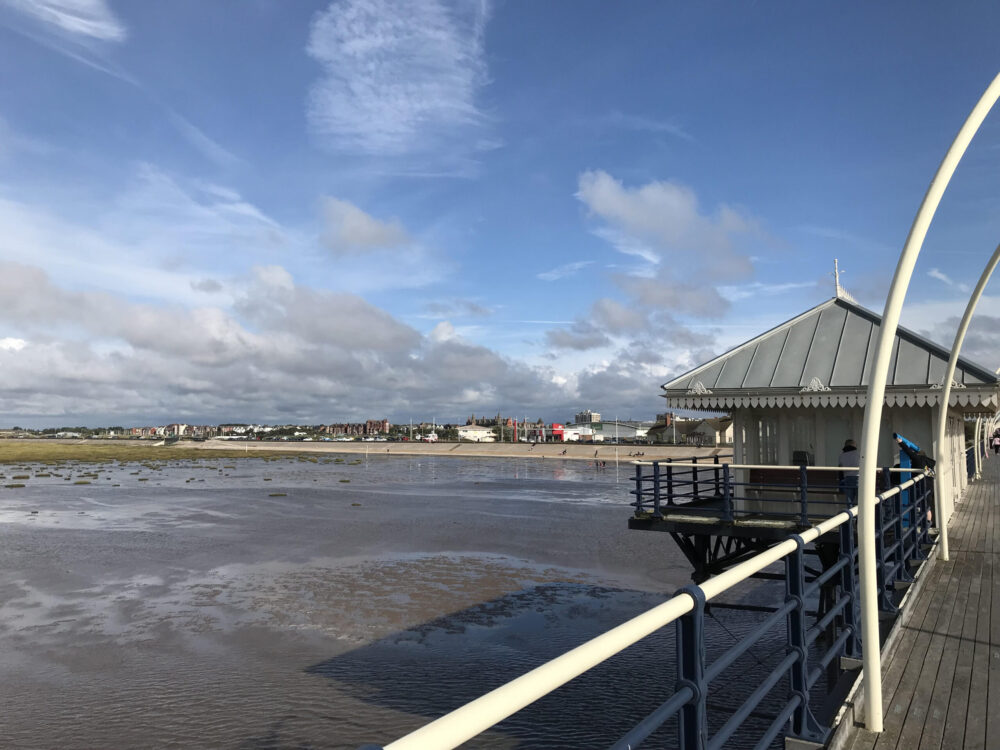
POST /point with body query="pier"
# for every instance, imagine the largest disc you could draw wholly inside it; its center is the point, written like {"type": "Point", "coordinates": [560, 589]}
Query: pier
{"type": "Point", "coordinates": [941, 675]}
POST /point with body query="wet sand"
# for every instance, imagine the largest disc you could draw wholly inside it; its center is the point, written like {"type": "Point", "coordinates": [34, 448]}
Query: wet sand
{"type": "Point", "coordinates": [193, 609]}
{"type": "Point", "coordinates": [306, 602]}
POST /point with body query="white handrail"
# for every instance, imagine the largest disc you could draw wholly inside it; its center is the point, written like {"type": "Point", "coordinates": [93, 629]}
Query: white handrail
{"type": "Point", "coordinates": [467, 721]}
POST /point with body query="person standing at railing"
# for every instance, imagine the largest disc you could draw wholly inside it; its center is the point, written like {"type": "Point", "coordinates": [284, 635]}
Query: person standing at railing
{"type": "Point", "coordinates": [850, 457]}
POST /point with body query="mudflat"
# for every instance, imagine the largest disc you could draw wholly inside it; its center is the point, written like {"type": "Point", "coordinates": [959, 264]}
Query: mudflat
{"type": "Point", "coordinates": [312, 600]}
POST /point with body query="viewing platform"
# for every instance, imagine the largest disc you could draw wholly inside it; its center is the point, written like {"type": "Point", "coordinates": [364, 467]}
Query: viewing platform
{"type": "Point", "coordinates": [941, 671]}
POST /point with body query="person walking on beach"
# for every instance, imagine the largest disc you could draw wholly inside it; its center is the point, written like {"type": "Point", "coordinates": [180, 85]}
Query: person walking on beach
{"type": "Point", "coordinates": [850, 457]}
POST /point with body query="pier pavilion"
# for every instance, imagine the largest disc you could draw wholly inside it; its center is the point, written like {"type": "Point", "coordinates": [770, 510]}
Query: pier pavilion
{"type": "Point", "coordinates": [798, 391]}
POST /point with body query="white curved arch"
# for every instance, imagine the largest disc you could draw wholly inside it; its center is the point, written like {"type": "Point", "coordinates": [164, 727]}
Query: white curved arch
{"type": "Point", "coordinates": [942, 509]}
{"type": "Point", "coordinates": [876, 395]}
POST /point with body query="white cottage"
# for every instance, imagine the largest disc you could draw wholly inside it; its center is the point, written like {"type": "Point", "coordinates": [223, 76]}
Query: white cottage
{"type": "Point", "coordinates": [798, 391]}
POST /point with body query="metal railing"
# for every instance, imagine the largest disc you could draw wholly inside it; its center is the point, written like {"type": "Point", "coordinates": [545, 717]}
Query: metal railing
{"type": "Point", "coordinates": [714, 489]}
{"type": "Point", "coordinates": [901, 534]}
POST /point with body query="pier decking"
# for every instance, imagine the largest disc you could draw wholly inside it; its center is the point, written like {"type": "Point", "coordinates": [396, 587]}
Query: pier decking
{"type": "Point", "coordinates": [941, 684]}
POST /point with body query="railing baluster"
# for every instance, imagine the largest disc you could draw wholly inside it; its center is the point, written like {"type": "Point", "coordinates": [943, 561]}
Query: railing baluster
{"type": "Point", "coordinates": [804, 724]}
{"type": "Point", "coordinates": [718, 488]}
{"type": "Point", "coordinates": [692, 721]}
{"type": "Point", "coordinates": [656, 490]}
{"type": "Point", "coordinates": [670, 482]}
{"type": "Point", "coordinates": [694, 479]}
{"type": "Point", "coordinates": [727, 494]}
{"type": "Point", "coordinates": [885, 603]}
{"type": "Point", "coordinates": [803, 496]}
{"type": "Point", "coordinates": [638, 489]}
{"type": "Point", "coordinates": [849, 584]}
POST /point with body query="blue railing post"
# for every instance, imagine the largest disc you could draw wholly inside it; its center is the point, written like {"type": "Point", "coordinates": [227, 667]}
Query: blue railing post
{"type": "Point", "coordinates": [692, 721]}
{"type": "Point", "coordinates": [718, 488]}
{"type": "Point", "coordinates": [804, 724]}
{"type": "Point", "coordinates": [885, 603]}
{"type": "Point", "coordinates": [694, 479]}
{"type": "Point", "coordinates": [902, 555]}
{"type": "Point", "coordinates": [803, 495]}
{"type": "Point", "coordinates": [656, 490]}
{"type": "Point", "coordinates": [920, 520]}
{"type": "Point", "coordinates": [670, 482]}
{"type": "Point", "coordinates": [727, 494]}
{"type": "Point", "coordinates": [638, 489]}
{"type": "Point", "coordinates": [849, 584]}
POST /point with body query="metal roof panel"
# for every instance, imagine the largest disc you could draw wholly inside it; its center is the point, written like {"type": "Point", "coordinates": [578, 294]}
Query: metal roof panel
{"type": "Point", "coordinates": [853, 352]}
{"type": "Point", "coordinates": [911, 364]}
{"type": "Point", "coordinates": [792, 361]}
{"type": "Point", "coordinates": [766, 360]}
{"type": "Point", "coordinates": [825, 345]}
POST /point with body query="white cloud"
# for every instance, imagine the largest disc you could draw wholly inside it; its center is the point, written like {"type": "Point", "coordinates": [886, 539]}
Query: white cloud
{"type": "Point", "coordinates": [455, 308]}
{"type": "Point", "coordinates": [443, 331]}
{"type": "Point", "coordinates": [206, 146]}
{"type": "Point", "coordinates": [936, 273]}
{"type": "Point", "coordinates": [666, 217]}
{"type": "Point", "coordinates": [12, 344]}
{"type": "Point", "coordinates": [642, 124]}
{"type": "Point", "coordinates": [286, 350]}
{"type": "Point", "coordinates": [561, 272]}
{"type": "Point", "coordinates": [348, 229]}
{"type": "Point", "coordinates": [90, 19]}
{"type": "Point", "coordinates": [398, 78]}
{"type": "Point", "coordinates": [737, 292]}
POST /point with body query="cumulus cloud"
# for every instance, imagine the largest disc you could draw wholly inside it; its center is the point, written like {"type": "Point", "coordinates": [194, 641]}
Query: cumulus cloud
{"type": "Point", "coordinates": [699, 300]}
{"type": "Point", "coordinates": [673, 242]}
{"type": "Point", "coordinates": [666, 217]}
{"type": "Point", "coordinates": [209, 286]}
{"type": "Point", "coordinates": [398, 78]}
{"type": "Point", "coordinates": [581, 336]}
{"type": "Point", "coordinates": [282, 352]}
{"type": "Point", "coordinates": [348, 229]}
{"type": "Point", "coordinates": [982, 340]}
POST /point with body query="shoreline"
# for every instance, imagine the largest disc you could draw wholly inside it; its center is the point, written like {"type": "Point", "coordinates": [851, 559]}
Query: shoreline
{"type": "Point", "coordinates": [14, 450]}
{"type": "Point", "coordinates": [564, 451]}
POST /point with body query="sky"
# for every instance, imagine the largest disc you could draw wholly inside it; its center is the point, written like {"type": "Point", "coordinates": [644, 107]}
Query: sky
{"type": "Point", "coordinates": [314, 211]}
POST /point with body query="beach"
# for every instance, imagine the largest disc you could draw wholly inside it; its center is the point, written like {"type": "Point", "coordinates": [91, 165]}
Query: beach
{"type": "Point", "coordinates": [280, 601]}
{"type": "Point", "coordinates": [537, 451]}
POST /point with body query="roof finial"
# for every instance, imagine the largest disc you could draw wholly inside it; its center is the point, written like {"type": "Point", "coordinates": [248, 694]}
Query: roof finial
{"type": "Point", "coordinates": [840, 291]}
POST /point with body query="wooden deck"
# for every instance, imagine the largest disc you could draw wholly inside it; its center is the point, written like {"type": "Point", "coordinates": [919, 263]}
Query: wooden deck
{"type": "Point", "coordinates": [941, 686]}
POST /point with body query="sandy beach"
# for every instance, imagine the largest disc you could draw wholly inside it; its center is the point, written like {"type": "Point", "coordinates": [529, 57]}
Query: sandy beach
{"type": "Point", "coordinates": [572, 451]}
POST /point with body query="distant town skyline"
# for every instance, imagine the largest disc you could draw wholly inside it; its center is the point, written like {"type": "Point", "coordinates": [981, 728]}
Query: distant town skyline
{"type": "Point", "coordinates": [280, 211]}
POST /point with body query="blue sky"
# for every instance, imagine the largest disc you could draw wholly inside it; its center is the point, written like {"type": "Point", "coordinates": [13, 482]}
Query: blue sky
{"type": "Point", "coordinates": [318, 211]}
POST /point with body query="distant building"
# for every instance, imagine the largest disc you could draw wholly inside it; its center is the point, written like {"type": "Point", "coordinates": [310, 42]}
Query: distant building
{"type": "Point", "coordinates": [476, 433]}
{"type": "Point", "coordinates": [586, 417]}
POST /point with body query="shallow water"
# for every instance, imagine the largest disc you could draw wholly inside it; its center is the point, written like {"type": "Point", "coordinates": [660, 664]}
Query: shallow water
{"type": "Point", "coordinates": [195, 609]}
